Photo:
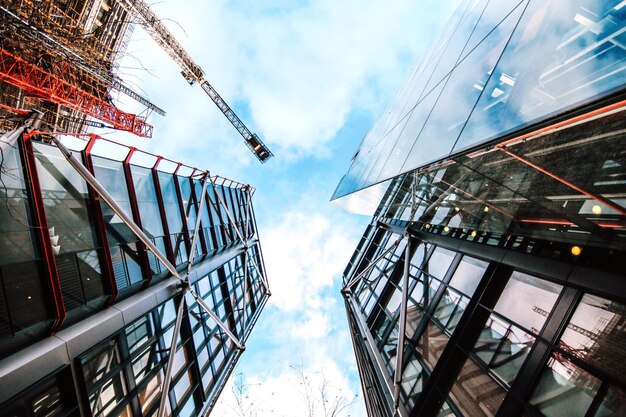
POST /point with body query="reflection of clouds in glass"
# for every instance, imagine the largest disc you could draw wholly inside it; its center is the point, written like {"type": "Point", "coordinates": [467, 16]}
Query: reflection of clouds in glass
{"type": "Point", "coordinates": [560, 54]}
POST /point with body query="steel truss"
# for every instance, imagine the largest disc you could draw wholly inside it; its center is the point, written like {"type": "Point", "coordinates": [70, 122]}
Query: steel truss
{"type": "Point", "coordinates": [183, 283]}
{"type": "Point", "coordinates": [40, 83]}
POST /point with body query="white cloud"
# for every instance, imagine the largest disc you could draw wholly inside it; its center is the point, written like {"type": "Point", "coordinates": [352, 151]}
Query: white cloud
{"type": "Point", "coordinates": [285, 394]}
{"type": "Point", "coordinates": [301, 69]}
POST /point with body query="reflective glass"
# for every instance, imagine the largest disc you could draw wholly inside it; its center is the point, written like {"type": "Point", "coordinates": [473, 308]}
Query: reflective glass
{"type": "Point", "coordinates": [468, 274]}
{"type": "Point", "coordinates": [597, 329]}
{"type": "Point", "coordinates": [580, 58]}
{"type": "Point", "coordinates": [150, 394]}
{"type": "Point", "coordinates": [439, 262]}
{"type": "Point", "coordinates": [16, 242]}
{"type": "Point", "coordinates": [564, 389]}
{"type": "Point", "coordinates": [475, 393]}
{"type": "Point", "coordinates": [173, 214]}
{"type": "Point", "coordinates": [527, 300]}
{"type": "Point", "coordinates": [69, 217]}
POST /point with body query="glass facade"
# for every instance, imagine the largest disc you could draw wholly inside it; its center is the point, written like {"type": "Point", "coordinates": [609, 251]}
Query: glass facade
{"type": "Point", "coordinates": [490, 279]}
{"type": "Point", "coordinates": [501, 67]}
{"type": "Point", "coordinates": [67, 256]}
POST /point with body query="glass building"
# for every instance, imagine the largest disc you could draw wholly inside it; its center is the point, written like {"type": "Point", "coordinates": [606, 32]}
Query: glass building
{"type": "Point", "coordinates": [88, 313]}
{"type": "Point", "coordinates": [490, 281]}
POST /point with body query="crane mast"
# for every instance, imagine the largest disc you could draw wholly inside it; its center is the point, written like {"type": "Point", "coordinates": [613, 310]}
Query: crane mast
{"type": "Point", "coordinates": [193, 73]}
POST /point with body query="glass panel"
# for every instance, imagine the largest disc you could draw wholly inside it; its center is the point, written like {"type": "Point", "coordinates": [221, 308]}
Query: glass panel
{"type": "Point", "coordinates": [596, 334]}
{"type": "Point", "coordinates": [150, 394]}
{"type": "Point", "coordinates": [461, 91]}
{"type": "Point", "coordinates": [16, 240]}
{"type": "Point", "coordinates": [468, 274]}
{"type": "Point", "coordinates": [67, 206]}
{"type": "Point", "coordinates": [475, 392]}
{"type": "Point", "coordinates": [450, 309]}
{"type": "Point", "coordinates": [582, 56]}
{"type": "Point", "coordinates": [172, 211]}
{"type": "Point", "coordinates": [613, 404]}
{"type": "Point", "coordinates": [564, 389]}
{"type": "Point", "coordinates": [503, 347]}
{"type": "Point", "coordinates": [439, 262]}
{"type": "Point", "coordinates": [527, 300]}
{"type": "Point", "coordinates": [431, 344]}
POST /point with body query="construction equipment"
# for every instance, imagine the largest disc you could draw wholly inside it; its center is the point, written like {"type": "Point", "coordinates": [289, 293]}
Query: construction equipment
{"type": "Point", "coordinates": [192, 72]}
{"type": "Point", "coordinates": [48, 61]}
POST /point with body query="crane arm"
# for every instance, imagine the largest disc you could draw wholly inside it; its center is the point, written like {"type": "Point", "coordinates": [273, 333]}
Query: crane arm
{"type": "Point", "coordinates": [193, 72]}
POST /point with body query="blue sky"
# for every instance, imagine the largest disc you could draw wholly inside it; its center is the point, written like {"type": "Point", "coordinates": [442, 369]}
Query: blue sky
{"type": "Point", "coordinates": [310, 78]}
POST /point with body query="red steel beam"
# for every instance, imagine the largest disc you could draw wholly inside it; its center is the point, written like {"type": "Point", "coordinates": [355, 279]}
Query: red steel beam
{"type": "Point", "coordinates": [101, 231]}
{"type": "Point", "coordinates": [142, 250]}
{"type": "Point", "coordinates": [42, 230]}
{"type": "Point", "coordinates": [36, 81]}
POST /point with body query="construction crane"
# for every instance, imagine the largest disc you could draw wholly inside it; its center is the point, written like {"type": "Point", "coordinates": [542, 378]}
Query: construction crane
{"type": "Point", "coordinates": [193, 73]}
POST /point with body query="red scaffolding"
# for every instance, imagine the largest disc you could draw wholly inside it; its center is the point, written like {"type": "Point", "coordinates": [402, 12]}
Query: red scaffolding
{"type": "Point", "coordinates": [35, 81]}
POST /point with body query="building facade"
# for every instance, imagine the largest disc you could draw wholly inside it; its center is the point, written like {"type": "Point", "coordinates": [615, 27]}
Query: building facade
{"type": "Point", "coordinates": [490, 281]}
{"type": "Point", "coordinates": [88, 312]}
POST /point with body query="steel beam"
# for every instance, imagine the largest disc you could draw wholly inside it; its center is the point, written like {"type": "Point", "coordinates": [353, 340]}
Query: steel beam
{"type": "Point", "coordinates": [172, 352]}
{"type": "Point", "coordinates": [95, 184]}
{"type": "Point", "coordinates": [402, 324]}
{"type": "Point", "coordinates": [197, 227]}
{"type": "Point", "coordinates": [354, 280]}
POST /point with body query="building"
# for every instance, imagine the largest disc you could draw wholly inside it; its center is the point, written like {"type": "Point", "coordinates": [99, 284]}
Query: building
{"type": "Point", "coordinates": [490, 281]}
{"type": "Point", "coordinates": [89, 307]}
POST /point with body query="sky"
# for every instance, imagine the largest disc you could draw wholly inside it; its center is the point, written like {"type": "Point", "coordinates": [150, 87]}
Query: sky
{"type": "Point", "coordinates": [310, 78]}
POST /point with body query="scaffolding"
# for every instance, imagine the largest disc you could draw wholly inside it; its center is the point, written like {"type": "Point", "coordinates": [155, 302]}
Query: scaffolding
{"type": "Point", "coordinates": [59, 57]}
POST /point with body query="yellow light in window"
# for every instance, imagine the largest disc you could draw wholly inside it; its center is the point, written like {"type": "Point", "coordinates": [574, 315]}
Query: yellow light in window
{"type": "Point", "coordinates": [427, 226]}
{"type": "Point", "coordinates": [596, 209]}
{"type": "Point", "coordinates": [446, 229]}
{"type": "Point", "coordinates": [576, 250]}
{"type": "Point", "coordinates": [30, 298]}
{"type": "Point", "coordinates": [456, 209]}
{"type": "Point", "coordinates": [486, 209]}
{"type": "Point", "coordinates": [473, 234]}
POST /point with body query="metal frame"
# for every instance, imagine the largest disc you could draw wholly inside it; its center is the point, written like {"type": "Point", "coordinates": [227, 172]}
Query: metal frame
{"type": "Point", "coordinates": [402, 324]}
{"type": "Point", "coordinates": [167, 238]}
{"type": "Point", "coordinates": [353, 281]}
{"type": "Point", "coordinates": [243, 240]}
{"type": "Point", "coordinates": [183, 282]}
{"type": "Point", "coordinates": [42, 231]}
{"type": "Point", "coordinates": [134, 207]}
{"type": "Point", "coordinates": [101, 232]}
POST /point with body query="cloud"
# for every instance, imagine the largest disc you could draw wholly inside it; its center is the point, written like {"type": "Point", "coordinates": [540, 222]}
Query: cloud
{"type": "Point", "coordinates": [286, 394]}
{"type": "Point", "coordinates": [304, 254]}
{"type": "Point", "coordinates": [293, 71]}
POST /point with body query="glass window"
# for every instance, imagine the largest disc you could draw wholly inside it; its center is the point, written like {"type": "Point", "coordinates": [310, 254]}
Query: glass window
{"type": "Point", "coordinates": [597, 332]}
{"type": "Point", "coordinates": [67, 207]}
{"type": "Point", "coordinates": [585, 363]}
{"type": "Point", "coordinates": [474, 393]}
{"type": "Point", "coordinates": [172, 211]}
{"type": "Point", "coordinates": [439, 262]}
{"type": "Point", "coordinates": [468, 274]}
{"type": "Point", "coordinates": [16, 242]}
{"type": "Point", "coordinates": [564, 390]}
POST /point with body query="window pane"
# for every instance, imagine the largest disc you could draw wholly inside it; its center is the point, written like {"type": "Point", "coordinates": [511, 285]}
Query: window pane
{"type": "Point", "coordinates": [527, 300]}
{"type": "Point", "coordinates": [564, 389]}
{"type": "Point", "coordinates": [597, 332]}
{"type": "Point", "coordinates": [439, 262]}
{"type": "Point", "coordinates": [468, 275]}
